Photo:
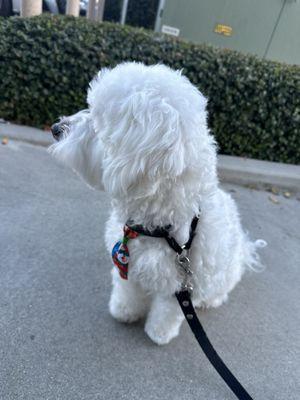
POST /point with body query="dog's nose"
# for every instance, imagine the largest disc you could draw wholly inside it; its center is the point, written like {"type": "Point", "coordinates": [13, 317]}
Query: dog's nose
{"type": "Point", "coordinates": [56, 131]}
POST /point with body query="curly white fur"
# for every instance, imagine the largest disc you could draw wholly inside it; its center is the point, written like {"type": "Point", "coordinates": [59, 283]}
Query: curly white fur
{"type": "Point", "coordinates": [144, 139]}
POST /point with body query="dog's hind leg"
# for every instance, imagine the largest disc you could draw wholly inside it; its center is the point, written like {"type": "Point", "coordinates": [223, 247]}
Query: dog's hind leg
{"type": "Point", "coordinates": [128, 302]}
{"type": "Point", "coordinates": [164, 319]}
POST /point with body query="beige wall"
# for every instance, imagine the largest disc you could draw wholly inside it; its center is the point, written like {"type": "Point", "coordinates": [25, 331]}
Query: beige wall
{"type": "Point", "coordinates": [31, 7]}
{"type": "Point", "coordinates": [72, 7]}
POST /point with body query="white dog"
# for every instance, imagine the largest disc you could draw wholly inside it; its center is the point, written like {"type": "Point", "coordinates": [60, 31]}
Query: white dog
{"type": "Point", "coordinates": [144, 139]}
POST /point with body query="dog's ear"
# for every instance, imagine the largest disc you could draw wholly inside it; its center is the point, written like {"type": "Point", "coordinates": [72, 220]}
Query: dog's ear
{"type": "Point", "coordinates": [144, 143]}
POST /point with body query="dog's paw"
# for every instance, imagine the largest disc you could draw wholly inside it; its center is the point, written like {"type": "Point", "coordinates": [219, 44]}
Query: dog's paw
{"type": "Point", "coordinates": [217, 301]}
{"type": "Point", "coordinates": [123, 313]}
{"type": "Point", "coordinates": [160, 335]}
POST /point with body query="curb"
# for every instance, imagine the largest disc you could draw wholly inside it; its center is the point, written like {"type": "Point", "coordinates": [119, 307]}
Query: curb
{"type": "Point", "coordinates": [239, 170]}
{"type": "Point", "coordinates": [26, 134]}
{"type": "Point", "coordinates": [265, 174]}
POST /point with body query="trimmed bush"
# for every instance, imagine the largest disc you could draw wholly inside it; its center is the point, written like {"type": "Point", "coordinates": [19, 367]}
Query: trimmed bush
{"type": "Point", "coordinates": [46, 63]}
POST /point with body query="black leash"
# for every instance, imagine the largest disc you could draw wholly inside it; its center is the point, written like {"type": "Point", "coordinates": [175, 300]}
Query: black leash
{"type": "Point", "coordinates": [185, 302]}
{"type": "Point", "coordinates": [186, 305]}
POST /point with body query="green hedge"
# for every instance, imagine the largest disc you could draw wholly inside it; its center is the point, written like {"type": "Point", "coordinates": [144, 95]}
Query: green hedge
{"type": "Point", "coordinates": [46, 63]}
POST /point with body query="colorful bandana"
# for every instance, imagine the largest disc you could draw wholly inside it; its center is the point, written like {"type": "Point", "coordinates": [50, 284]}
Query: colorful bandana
{"type": "Point", "coordinates": [120, 252]}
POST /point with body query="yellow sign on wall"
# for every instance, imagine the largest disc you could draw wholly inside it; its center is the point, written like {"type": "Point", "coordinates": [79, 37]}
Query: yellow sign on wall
{"type": "Point", "coordinates": [223, 29]}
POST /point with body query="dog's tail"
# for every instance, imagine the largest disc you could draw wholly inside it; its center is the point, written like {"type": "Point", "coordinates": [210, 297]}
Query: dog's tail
{"type": "Point", "coordinates": [251, 256]}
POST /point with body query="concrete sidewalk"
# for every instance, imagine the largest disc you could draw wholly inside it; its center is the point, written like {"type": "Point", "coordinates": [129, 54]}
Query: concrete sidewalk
{"type": "Point", "coordinates": [57, 339]}
{"type": "Point", "coordinates": [237, 170]}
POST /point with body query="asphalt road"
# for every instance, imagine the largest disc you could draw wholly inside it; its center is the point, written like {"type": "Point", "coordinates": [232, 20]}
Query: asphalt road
{"type": "Point", "coordinates": [57, 340]}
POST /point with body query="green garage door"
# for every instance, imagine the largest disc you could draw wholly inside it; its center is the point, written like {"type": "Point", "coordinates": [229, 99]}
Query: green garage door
{"type": "Point", "coordinates": [244, 25]}
{"type": "Point", "coordinates": [285, 44]}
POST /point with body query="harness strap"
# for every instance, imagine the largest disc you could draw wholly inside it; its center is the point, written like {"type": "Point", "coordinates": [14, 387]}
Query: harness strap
{"type": "Point", "coordinates": [194, 224]}
{"type": "Point", "coordinates": [164, 233]}
{"type": "Point", "coordinates": [185, 302]}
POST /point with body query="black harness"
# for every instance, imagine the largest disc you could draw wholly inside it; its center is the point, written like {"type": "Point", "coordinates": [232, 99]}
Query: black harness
{"type": "Point", "coordinates": [159, 232]}
{"type": "Point", "coordinates": [184, 299]}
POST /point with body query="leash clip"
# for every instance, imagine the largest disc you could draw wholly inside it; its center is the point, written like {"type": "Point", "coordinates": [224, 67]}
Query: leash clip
{"type": "Point", "coordinates": [184, 263]}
